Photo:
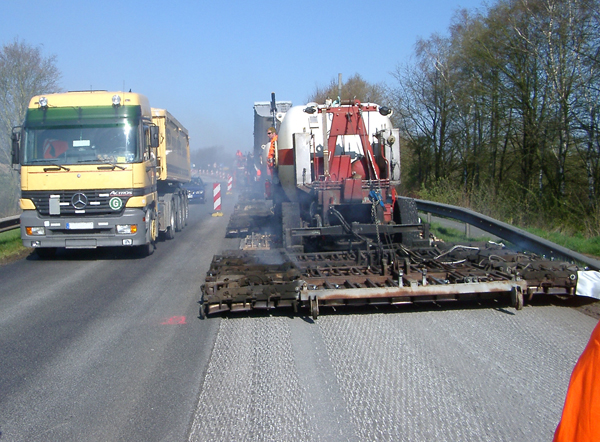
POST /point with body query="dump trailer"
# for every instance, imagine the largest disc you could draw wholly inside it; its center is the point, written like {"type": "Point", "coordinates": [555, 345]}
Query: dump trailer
{"type": "Point", "coordinates": [345, 237]}
{"type": "Point", "coordinates": [90, 164]}
{"type": "Point", "coordinates": [173, 170]}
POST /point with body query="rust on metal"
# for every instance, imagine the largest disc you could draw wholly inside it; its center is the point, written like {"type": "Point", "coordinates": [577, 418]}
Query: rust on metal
{"type": "Point", "coordinates": [264, 279]}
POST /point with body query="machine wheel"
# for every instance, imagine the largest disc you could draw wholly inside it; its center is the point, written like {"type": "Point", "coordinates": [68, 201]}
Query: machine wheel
{"type": "Point", "coordinates": [516, 298]}
{"type": "Point", "coordinates": [170, 233]}
{"type": "Point", "coordinates": [314, 308]}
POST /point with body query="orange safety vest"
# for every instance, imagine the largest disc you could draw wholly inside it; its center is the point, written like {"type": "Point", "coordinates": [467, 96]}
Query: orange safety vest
{"type": "Point", "coordinates": [271, 155]}
{"type": "Point", "coordinates": [580, 419]}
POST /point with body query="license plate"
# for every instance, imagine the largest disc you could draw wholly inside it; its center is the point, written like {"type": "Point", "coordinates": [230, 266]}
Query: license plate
{"type": "Point", "coordinates": [80, 226]}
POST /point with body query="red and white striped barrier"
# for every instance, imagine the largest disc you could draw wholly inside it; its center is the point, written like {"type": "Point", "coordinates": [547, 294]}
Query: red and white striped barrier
{"type": "Point", "coordinates": [217, 199]}
{"type": "Point", "coordinates": [229, 184]}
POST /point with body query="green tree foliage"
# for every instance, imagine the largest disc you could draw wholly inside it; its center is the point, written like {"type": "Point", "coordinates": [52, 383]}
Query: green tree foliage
{"type": "Point", "coordinates": [24, 72]}
{"type": "Point", "coordinates": [505, 110]}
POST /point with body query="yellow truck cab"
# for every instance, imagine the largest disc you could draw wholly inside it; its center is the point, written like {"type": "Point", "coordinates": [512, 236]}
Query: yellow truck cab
{"type": "Point", "coordinates": [89, 172]}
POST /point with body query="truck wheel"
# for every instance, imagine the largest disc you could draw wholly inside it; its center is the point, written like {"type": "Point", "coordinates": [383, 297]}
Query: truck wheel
{"type": "Point", "coordinates": [154, 227]}
{"type": "Point", "coordinates": [184, 212]}
{"type": "Point", "coordinates": [179, 215]}
{"type": "Point", "coordinates": [187, 209]}
{"type": "Point", "coordinates": [170, 233]}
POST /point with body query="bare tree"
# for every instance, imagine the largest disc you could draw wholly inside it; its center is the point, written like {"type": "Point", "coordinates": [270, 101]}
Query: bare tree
{"type": "Point", "coordinates": [24, 72]}
{"type": "Point", "coordinates": [354, 88]}
{"type": "Point", "coordinates": [425, 105]}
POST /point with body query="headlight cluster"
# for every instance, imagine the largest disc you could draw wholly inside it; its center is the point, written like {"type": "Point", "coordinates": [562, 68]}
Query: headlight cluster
{"type": "Point", "coordinates": [35, 231]}
{"type": "Point", "coordinates": [126, 229]}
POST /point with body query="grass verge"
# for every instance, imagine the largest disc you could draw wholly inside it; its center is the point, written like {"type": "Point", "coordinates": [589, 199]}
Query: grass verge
{"type": "Point", "coordinates": [577, 243]}
{"type": "Point", "coordinates": [448, 234]}
{"type": "Point", "coordinates": [11, 247]}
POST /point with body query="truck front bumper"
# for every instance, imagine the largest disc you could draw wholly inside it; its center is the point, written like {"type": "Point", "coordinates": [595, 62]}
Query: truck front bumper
{"type": "Point", "coordinates": [84, 232]}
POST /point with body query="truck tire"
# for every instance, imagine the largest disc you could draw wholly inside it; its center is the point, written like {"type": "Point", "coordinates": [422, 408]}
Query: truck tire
{"type": "Point", "coordinates": [186, 211]}
{"type": "Point", "coordinates": [178, 214]}
{"type": "Point", "coordinates": [170, 233]}
{"type": "Point", "coordinates": [148, 248]}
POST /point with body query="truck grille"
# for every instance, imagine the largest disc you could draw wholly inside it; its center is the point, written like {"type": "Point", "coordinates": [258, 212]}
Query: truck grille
{"type": "Point", "coordinates": [89, 202]}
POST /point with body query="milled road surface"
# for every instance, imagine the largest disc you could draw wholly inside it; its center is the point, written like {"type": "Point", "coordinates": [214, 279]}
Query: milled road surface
{"type": "Point", "coordinates": [108, 347]}
{"type": "Point", "coordinates": [478, 374]}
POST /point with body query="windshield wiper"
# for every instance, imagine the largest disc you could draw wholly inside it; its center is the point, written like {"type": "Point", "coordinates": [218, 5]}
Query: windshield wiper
{"type": "Point", "coordinates": [55, 167]}
{"type": "Point", "coordinates": [111, 167]}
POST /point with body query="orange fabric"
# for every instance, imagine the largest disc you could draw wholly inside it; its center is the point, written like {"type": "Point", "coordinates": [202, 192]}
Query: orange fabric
{"type": "Point", "coordinates": [580, 419]}
{"type": "Point", "coordinates": [271, 156]}
{"type": "Point", "coordinates": [54, 148]}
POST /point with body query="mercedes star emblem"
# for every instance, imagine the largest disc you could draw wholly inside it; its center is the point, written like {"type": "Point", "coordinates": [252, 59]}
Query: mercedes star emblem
{"type": "Point", "coordinates": [79, 201]}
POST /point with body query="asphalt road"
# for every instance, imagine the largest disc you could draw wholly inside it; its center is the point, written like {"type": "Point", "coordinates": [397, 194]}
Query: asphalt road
{"type": "Point", "coordinates": [105, 347]}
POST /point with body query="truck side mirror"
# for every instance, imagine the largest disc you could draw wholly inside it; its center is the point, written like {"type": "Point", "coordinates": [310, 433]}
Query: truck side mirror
{"type": "Point", "coordinates": [16, 144]}
{"type": "Point", "coordinates": [154, 134]}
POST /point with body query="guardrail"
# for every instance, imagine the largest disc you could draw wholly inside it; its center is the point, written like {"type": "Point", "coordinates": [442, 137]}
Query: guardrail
{"type": "Point", "coordinates": [505, 231]}
{"type": "Point", "coordinates": [12, 222]}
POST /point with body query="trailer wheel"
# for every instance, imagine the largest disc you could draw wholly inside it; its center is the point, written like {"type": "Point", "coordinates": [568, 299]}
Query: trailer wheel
{"type": "Point", "coordinates": [178, 215]}
{"type": "Point", "coordinates": [170, 233]}
{"type": "Point", "coordinates": [186, 212]}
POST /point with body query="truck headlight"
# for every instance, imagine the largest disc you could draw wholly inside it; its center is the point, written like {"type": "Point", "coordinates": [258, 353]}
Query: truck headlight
{"type": "Point", "coordinates": [126, 228]}
{"type": "Point", "coordinates": [35, 231]}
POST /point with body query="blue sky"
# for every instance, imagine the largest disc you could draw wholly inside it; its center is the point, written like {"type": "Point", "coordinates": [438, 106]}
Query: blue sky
{"type": "Point", "coordinates": [208, 62]}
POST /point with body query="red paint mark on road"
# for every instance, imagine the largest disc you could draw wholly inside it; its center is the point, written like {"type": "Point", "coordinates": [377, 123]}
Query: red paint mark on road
{"type": "Point", "coordinates": [174, 320]}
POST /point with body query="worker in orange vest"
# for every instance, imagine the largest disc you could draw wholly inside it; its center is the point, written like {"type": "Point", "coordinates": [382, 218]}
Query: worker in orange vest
{"type": "Point", "coordinates": [272, 148]}
{"type": "Point", "coordinates": [580, 421]}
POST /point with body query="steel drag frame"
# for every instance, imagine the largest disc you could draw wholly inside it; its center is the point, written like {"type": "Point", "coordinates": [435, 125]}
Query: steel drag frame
{"type": "Point", "coordinates": [246, 280]}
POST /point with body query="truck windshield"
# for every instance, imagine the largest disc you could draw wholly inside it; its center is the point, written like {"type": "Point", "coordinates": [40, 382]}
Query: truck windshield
{"type": "Point", "coordinates": [81, 144]}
